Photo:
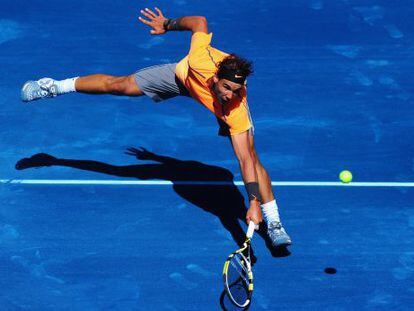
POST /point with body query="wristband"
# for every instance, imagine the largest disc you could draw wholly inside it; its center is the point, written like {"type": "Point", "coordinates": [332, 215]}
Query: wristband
{"type": "Point", "coordinates": [165, 24]}
{"type": "Point", "coordinates": [253, 193]}
{"type": "Point", "coordinates": [172, 24]}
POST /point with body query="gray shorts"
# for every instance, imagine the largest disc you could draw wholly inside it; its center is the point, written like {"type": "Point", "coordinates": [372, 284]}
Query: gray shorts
{"type": "Point", "coordinates": [159, 82]}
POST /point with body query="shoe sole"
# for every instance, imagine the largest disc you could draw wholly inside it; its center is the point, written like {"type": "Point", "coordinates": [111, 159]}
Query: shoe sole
{"type": "Point", "coordinates": [283, 244]}
{"type": "Point", "coordinates": [22, 94]}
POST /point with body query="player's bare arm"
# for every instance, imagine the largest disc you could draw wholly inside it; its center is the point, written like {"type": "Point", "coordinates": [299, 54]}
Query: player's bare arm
{"type": "Point", "coordinates": [242, 149]}
{"type": "Point", "coordinates": [160, 24]}
{"type": "Point", "coordinates": [126, 86]}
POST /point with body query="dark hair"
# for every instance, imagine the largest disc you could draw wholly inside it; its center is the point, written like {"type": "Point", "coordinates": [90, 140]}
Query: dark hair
{"type": "Point", "coordinates": [235, 63]}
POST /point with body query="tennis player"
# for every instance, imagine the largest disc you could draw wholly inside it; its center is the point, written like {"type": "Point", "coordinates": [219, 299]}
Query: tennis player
{"type": "Point", "coordinates": [215, 79]}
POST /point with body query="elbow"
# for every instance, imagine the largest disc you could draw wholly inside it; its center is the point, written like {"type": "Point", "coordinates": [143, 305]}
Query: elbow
{"type": "Point", "coordinates": [201, 25]}
{"type": "Point", "coordinates": [201, 20]}
{"type": "Point", "coordinates": [246, 160]}
{"type": "Point", "coordinates": [246, 166]}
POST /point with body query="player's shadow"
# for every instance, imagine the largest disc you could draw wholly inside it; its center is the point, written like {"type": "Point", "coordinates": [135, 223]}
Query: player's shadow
{"type": "Point", "coordinates": [220, 198]}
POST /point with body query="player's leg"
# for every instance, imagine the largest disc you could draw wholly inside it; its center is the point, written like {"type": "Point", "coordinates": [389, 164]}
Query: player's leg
{"type": "Point", "coordinates": [93, 84]}
{"type": "Point", "coordinates": [269, 206]}
{"type": "Point", "coordinates": [106, 84]}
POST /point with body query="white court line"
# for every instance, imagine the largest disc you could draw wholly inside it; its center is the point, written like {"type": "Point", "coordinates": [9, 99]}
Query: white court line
{"type": "Point", "coordinates": [217, 183]}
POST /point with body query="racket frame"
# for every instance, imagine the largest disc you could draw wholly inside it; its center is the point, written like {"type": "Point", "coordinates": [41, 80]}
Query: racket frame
{"type": "Point", "coordinates": [239, 252]}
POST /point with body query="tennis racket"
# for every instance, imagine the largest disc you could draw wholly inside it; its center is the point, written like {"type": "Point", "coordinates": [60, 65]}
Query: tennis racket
{"type": "Point", "coordinates": [237, 273]}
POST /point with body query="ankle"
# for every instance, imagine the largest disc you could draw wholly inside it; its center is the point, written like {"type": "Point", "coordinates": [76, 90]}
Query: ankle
{"type": "Point", "coordinates": [270, 211]}
{"type": "Point", "coordinates": [66, 86]}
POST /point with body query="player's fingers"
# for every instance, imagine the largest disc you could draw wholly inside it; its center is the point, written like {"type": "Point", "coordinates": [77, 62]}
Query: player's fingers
{"type": "Point", "coordinates": [144, 21]}
{"type": "Point", "coordinates": [255, 219]}
{"type": "Point", "coordinates": [151, 12]}
{"type": "Point", "coordinates": [131, 152]}
{"type": "Point", "coordinates": [158, 32]}
{"type": "Point", "coordinates": [147, 15]}
{"type": "Point", "coordinates": [159, 12]}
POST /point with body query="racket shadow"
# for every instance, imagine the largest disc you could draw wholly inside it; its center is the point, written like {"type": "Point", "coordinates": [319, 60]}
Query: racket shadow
{"type": "Point", "coordinates": [224, 201]}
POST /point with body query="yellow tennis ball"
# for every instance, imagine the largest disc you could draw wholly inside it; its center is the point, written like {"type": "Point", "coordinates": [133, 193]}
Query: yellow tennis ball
{"type": "Point", "coordinates": [345, 176]}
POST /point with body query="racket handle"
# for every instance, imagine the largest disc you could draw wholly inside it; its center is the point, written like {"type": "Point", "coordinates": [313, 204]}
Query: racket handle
{"type": "Point", "coordinates": [250, 229]}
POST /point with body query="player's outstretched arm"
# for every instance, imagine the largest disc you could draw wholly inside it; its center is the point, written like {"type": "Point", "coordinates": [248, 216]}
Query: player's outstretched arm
{"type": "Point", "coordinates": [160, 24]}
{"type": "Point", "coordinates": [144, 154]}
{"type": "Point", "coordinates": [243, 151]}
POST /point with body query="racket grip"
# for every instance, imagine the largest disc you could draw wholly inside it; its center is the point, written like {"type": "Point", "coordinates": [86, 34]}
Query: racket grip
{"type": "Point", "coordinates": [250, 229]}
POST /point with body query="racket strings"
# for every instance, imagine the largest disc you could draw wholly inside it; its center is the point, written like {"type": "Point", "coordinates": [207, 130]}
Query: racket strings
{"type": "Point", "coordinates": [238, 281]}
{"type": "Point", "coordinates": [238, 277]}
{"type": "Point", "coordinates": [239, 271]}
{"type": "Point", "coordinates": [242, 272]}
{"type": "Point", "coordinates": [242, 264]}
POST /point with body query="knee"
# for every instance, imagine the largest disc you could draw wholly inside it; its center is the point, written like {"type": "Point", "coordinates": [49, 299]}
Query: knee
{"type": "Point", "coordinates": [116, 85]}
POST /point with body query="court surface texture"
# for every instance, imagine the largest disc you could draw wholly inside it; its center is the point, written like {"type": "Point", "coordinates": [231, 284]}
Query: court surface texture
{"type": "Point", "coordinates": [104, 230]}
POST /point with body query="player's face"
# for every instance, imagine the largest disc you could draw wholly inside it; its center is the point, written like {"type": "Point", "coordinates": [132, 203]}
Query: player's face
{"type": "Point", "coordinates": [225, 90]}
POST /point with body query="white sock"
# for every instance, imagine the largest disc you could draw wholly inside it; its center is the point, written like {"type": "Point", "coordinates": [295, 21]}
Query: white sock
{"type": "Point", "coordinates": [270, 211]}
{"type": "Point", "coordinates": [66, 86]}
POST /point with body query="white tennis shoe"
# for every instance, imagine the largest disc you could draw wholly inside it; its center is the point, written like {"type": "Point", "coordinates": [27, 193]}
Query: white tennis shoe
{"type": "Point", "coordinates": [277, 234]}
{"type": "Point", "coordinates": [43, 88]}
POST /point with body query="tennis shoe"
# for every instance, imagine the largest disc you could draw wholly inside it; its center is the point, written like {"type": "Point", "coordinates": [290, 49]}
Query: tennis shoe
{"type": "Point", "coordinates": [32, 90]}
{"type": "Point", "coordinates": [277, 234]}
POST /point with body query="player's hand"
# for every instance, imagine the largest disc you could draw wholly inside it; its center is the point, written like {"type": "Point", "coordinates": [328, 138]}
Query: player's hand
{"type": "Point", "coordinates": [254, 213]}
{"type": "Point", "coordinates": [156, 22]}
{"type": "Point", "coordinates": [140, 154]}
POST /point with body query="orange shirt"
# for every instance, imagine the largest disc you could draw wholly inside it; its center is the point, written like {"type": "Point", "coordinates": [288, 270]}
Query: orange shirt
{"type": "Point", "coordinates": [196, 70]}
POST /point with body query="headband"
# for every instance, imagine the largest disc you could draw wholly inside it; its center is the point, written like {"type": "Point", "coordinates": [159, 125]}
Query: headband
{"type": "Point", "coordinates": [232, 75]}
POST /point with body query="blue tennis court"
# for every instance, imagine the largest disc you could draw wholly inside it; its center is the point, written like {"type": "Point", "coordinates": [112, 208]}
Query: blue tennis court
{"type": "Point", "coordinates": [86, 226]}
